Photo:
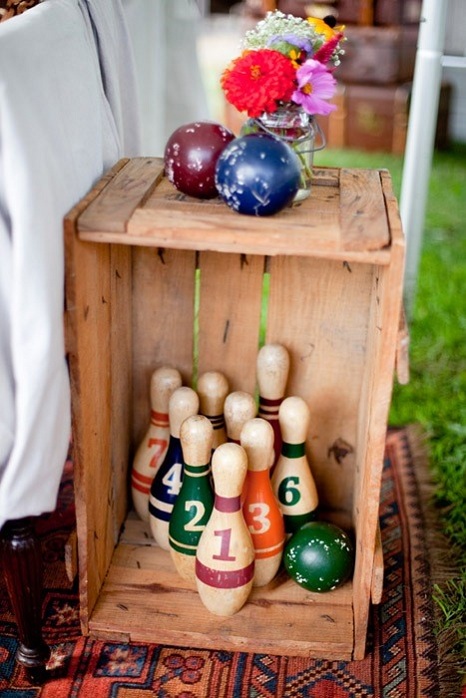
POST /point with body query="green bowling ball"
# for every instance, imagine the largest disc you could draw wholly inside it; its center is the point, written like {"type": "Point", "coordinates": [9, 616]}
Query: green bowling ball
{"type": "Point", "coordinates": [319, 556]}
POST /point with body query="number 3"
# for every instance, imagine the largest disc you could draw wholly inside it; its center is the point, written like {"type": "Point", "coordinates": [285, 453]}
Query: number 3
{"type": "Point", "coordinates": [260, 522]}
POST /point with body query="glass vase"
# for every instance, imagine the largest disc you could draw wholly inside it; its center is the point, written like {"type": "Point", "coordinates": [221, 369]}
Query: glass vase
{"type": "Point", "coordinates": [300, 131]}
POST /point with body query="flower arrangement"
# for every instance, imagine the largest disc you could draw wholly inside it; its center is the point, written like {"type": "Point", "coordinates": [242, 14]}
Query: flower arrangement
{"type": "Point", "coordinates": [286, 60]}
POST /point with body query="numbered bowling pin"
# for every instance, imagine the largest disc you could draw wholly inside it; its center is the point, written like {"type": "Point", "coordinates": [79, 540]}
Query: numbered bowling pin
{"type": "Point", "coordinates": [194, 503]}
{"type": "Point", "coordinates": [212, 388]}
{"type": "Point", "coordinates": [153, 448]}
{"type": "Point", "coordinates": [260, 508]}
{"type": "Point", "coordinates": [273, 365]}
{"type": "Point", "coordinates": [225, 554]}
{"type": "Point", "coordinates": [166, 485]}
{"type": "Point", "coordinates": [292, 480]}
{"type": "Point", "coordinates": [239, 408]}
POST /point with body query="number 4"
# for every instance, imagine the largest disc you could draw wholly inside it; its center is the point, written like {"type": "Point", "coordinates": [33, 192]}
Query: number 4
{"type": "Point", "coordinates": [172, 480]}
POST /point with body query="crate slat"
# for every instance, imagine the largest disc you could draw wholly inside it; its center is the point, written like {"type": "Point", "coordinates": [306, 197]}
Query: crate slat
{"type": "Point", "coordinates": [125, 192]}
{"type": "Point", "coordinates": [163, 321]}
{"type": "Point", "coordinates": [229, 316]}
{"type": "Point", "coordinates": [318, 309]}
{"type": "Point", "coordinates": [131, 596]}
{"type": "Point", "coordinates": [342, 219]}
{"type": "Point", "coordinates": [363, 215]}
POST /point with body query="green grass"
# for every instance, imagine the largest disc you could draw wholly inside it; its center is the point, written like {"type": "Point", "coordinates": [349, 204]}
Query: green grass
{"type": "Point", "coordinates": [435, 397]}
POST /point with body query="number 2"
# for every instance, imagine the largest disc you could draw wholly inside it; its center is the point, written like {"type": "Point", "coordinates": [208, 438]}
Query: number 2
{"type": "Point", "coordinates": [199, 511]}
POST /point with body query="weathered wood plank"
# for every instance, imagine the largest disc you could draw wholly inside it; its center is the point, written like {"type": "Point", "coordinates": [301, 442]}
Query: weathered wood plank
{"type": "Point", "coordinates": [362, 211]}
{"type": "Point", "coordinates": [163, 322]}
{"type": "Point", "coordinates": [170, 216]}
{"type": "Point", "coordinates": [319, 310]}
{"type": "Point", "coordinates": [386, 303]}
{"type": "Point", "coordinates": [90, 365]}
{"type": "Point", "coordinates": [144, 597]}
{"type": "Point", "coordinates": [121, 353]}
{"type": "Point", "coordinates": [343, 218]}
{"type": "Point", "coordinates": [229, 316]}
{"type": "Point", "coordinates": [127, 190]}
{"type": "Point", "coordinates": [87, 330]}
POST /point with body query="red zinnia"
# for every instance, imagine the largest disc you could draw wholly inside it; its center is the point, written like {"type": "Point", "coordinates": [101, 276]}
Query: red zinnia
{"type": "Point", "coordinates": [257, 79]}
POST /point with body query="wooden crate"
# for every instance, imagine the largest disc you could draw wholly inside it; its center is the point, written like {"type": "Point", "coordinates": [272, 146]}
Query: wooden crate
{"type": "Point", "coordinates": [383, 12]}
{"type": "Point", "coordinates": [369, 117]}
{"type": "Point", "coordinates": [378, 55]}
{"type": "Point", "coordinates": [141, 257]}
{"type": "Point", "coordinates": [375, 118]}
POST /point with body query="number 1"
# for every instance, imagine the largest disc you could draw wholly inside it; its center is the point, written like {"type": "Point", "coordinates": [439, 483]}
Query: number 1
{"type": "Point", "coordinates": [225, 535]}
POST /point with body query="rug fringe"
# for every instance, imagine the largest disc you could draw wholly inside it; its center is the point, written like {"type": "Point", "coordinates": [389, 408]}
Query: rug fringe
{"type": "Point", "coordinates": [443, 568]}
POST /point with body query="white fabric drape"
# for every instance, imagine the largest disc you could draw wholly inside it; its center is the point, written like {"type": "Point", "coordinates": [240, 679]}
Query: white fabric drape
{"type": "Point", "coordinates": [68, 111]}
{"type": "Point", "coordinates": [171, 90]}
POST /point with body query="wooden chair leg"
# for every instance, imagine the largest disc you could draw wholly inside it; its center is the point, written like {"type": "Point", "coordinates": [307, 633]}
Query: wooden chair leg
{"type": "Point", "coordinates": [22, 560]}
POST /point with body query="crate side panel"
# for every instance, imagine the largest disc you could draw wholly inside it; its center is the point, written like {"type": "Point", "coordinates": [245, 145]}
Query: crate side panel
{"type": "Point", "coordinates": [319, 310]}
{"type": "Point", "coordinates": [121, 357]}
{"type": "Point", "coordinates": [163, 321]}
{"type": "Point", "coordinates": [229, 316]}
{"type": "Point", "coordinates": [386, 308]}
{"type": "Point", "coordinates": [75, 314]}
{"type": "Point", "coordinates": [91, 372]}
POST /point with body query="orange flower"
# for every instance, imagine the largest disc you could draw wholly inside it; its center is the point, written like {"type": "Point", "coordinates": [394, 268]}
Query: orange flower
{"type": "Point", "coordinates": [257, 80]}
{"type": "Point", "coordinates": [321, 27]}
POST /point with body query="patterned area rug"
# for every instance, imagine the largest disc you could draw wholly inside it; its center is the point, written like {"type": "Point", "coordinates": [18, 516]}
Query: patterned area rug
{"type": "Point", "coordinates": [402, 653]}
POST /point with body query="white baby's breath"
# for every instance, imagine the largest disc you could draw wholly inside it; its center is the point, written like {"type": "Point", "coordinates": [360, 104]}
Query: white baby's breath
{"type": "Point", "coordinates": [277, 23]}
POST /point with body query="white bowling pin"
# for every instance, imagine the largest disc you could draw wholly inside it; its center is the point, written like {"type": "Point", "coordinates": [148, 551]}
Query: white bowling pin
{"type": "Point", "coordinates": [292, 480]}
{"type": "Point", "coordinates": [273, 365]}
{"type": "Point", "coordinates": [225, 554]}
{"type": "Point", "coordinates": [212, 388]}
{"type": "Point", "coordinates": [166, 485]}
{"type": "Point", "coordinates": [154, 445]}
{"type": "Point", "coordinates": [238, 409]}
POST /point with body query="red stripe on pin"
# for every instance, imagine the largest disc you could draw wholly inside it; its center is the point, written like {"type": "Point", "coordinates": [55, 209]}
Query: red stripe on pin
{"type": "Point", "coordinates": [144, 479]}
{"type": "Point", "coordinates": [159, 419]}
{"type": "Point", "coordinates": [140, 488]}
{"type": "Point", "coordinates": [224, 579]}
{"type": "Point", "coordinates": [267, 402]}
{"type": "Point", "coordinates": [227, 504]}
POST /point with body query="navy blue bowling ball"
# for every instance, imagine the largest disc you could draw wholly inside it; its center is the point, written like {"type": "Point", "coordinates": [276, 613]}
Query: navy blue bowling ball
{"type": "Point", "coordinates": [257, 174]}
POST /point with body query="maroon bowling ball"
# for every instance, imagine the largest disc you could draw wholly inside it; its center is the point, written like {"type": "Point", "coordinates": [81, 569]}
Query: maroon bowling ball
{"type": "Point", "coordinates": [191, 154]}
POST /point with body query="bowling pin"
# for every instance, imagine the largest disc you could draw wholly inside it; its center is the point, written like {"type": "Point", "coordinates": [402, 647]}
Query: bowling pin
{"type": "Point", "coordinates": [260, 508]}
{"type": "Point", "coordinates": [225, 554]}
{"type": "Point", "coordinates": [273, 365]}
{"type": "Point", "coordinates": [238, 409]}
{"type": "Point", "coordinates": [194, 503]}
{"type": "Point", "coordinates": [166, 485]}
{"type": "Point", "coordinates": [292, 480]}
{"type": "Point", "coordinates": [212, 388]}
{"type": "Point", "coordinates": [153, 447]}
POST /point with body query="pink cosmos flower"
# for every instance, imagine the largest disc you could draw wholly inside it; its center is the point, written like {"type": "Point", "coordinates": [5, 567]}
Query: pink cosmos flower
{"type": "Point", "coordinates": [315, 85]}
